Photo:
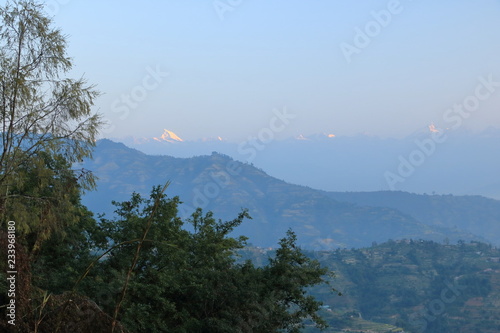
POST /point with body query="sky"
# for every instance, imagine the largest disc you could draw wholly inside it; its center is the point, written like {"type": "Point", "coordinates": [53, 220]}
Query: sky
{"type": "Point", "coordinates": [235, 68]}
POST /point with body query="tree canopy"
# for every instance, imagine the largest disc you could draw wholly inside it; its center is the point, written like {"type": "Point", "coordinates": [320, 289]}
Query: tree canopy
{"type": "Point", "coordinates": [187, 278]}
{"type": "Point", "coordinates": [42, 109]}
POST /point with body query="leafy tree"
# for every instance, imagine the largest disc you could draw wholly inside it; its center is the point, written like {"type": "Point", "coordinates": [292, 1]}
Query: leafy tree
{"type": "Point", "coordinates": [58, 237]}
{"type": "Point", "coordinates": [44, 199]}
{"type": "Point", "coordinates": [42, 111]}
{"type": "Point", "coordinates": [289, 273]}
{"type": "Point", "coordinates": [187, 278]}
{"type": "Point", "coordinates": [46, 126]}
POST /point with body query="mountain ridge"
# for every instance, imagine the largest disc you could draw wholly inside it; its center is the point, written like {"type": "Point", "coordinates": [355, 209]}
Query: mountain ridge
{"type": "Point", "coordinates": [462, 162]}
{"type": "Point", "coordinates": [218, 183]}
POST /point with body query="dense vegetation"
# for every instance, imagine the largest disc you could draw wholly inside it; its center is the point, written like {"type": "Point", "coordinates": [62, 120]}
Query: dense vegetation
{"type": "Point", "coordinates": [166, 277]}
{"type": "Point", "coordinates": [418, 286]}
{"type": "Point", "coordinates": [178, 279]}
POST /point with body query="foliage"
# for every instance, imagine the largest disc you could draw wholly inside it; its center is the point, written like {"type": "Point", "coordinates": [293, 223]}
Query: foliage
{"type": "Point", "coordinates": [418, 285]}
{"type": "Point", "coordinates": [56, 236]}
{"type": "Point", "coordinates": [42, 111]}
{"type": "Point", "coordinates": [46, 126]}
{"type": "Point", "coordinates": [187, 278]}
{"type": "Point", "coordinates": [44, 199]}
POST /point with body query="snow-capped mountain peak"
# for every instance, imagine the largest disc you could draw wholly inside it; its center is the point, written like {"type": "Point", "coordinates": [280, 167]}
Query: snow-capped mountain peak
{"type": "Point", "coordinates": [168, 136]}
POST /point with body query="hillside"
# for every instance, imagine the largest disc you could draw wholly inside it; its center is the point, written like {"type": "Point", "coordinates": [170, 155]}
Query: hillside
{"type": "Point", "coordinates": [225, 186]}
{"type": "Point", "coordinates": [479, 215]}
{"type": "Point", "coordinates": [465, 164]}
{"type": "Point", "coordinates": [422, 286]}
{"type": "Point", "coordinates": [418, 286]}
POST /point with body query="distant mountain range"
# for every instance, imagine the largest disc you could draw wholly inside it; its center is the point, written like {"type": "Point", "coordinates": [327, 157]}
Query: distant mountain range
{"type": "Point", "coordinates": [322, 220]}
{"type": "Point", "coordinates": [429, 161]}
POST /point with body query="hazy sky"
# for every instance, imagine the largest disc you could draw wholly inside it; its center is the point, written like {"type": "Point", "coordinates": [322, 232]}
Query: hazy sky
{"type": "Point", "coordinates": [386, 68]}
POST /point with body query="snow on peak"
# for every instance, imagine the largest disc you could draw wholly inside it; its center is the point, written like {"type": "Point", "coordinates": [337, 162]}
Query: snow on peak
{"type": "Point", "coordinates": [168, 136]}
{"type": "Point", "coordinates": [433, 129]}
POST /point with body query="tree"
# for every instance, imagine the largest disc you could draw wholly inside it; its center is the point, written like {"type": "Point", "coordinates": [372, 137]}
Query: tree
{"type": "Point", "coordinates": [44, 199]}
{"type": "Point", "coordinates": [42, 111]}
{"type": "Point", "coordinates": [289, 273]}
{"type": "Point", "coordinates": [46, 125]}
{"type": "Point", "coordinates": [187, 278]}
{"type": "Point", "coordinates": [55, 234]}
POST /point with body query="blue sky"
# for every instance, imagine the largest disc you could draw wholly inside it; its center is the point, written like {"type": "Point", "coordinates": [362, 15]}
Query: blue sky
{"type": "Point", "coordinates": [229, 68]}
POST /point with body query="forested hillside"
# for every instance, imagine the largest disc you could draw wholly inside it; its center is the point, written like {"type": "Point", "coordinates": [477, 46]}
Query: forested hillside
{"type": "Point", "coordinates": [223, 185]}
{"type": "Point", "coordinates": [418, 286]}
{"type": "Point", "coordinates": [476, 214]}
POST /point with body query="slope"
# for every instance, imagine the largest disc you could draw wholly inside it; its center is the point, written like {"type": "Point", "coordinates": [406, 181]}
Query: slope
{"type": "Point", "coordinates": [476, 214]}
{"type": "Point", "coordinates": [225, 186]}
